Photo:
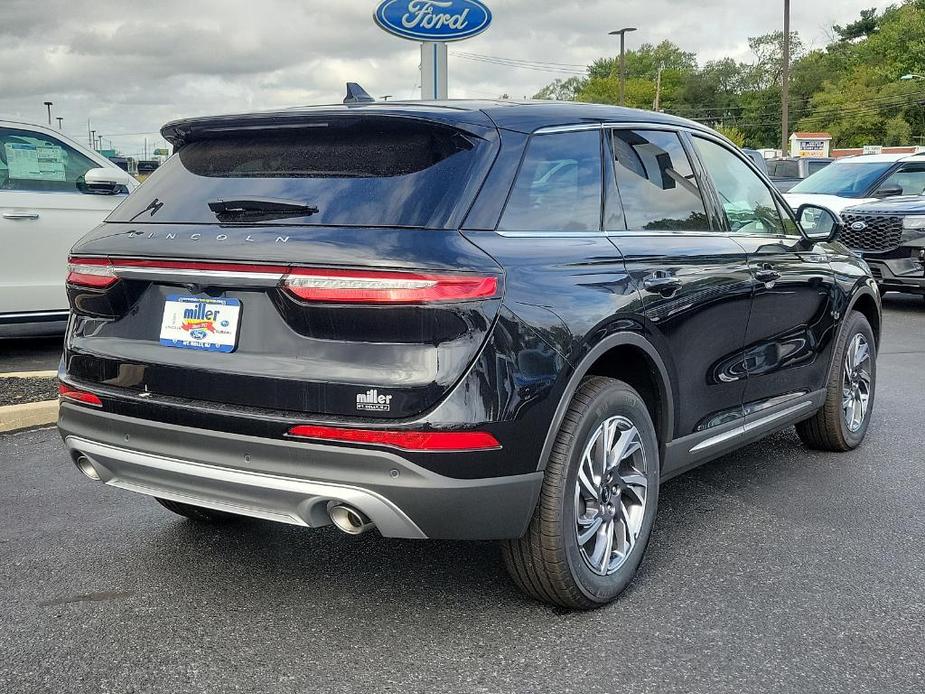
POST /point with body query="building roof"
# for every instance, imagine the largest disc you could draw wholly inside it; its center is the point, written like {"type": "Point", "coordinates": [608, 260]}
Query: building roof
{"type": "Point", "coordinates": [812, 136]}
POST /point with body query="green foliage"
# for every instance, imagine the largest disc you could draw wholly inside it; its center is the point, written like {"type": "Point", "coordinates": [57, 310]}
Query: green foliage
{"type": "Point", "coordinates": [732, 133]}
{"type": "Point", "coordinates": [896, 131]}
{"type": "Point", "coordinates": [561, 90]}
{"type": "Point", "coordinates": [850, 88]}
{"type": "Point", "coordinates": [860, 28]}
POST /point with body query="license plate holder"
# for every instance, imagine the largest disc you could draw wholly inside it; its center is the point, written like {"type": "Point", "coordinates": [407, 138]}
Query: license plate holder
{"type": "Point", "coordinates": [201, 323]}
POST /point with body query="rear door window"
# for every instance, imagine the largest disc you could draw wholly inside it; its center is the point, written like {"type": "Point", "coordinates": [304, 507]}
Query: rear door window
{"type": "Point", "coordinates": [351, 172]}
{"type": "Point", "coordinates": [657, 185]}
{"type": "Point", "coordinates": [558, 187]}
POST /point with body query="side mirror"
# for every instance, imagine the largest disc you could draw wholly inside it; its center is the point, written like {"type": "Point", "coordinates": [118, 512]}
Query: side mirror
{"type": "Point", "coordinates": [889, 190]}
{"type": "Point", "coordinates": [819, 223]}
{"type": "Point", "coordinates": [106, 181]}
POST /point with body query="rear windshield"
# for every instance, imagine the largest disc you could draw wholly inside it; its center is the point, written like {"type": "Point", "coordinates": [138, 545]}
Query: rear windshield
{"type": "Point", "coordinates": [356, 173]}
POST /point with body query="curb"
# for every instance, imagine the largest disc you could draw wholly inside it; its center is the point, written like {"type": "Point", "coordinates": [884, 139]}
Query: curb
{"type": "Point", "coordinates": [28, 415]}
{"type": "Point", "coordinates": [29, 374]}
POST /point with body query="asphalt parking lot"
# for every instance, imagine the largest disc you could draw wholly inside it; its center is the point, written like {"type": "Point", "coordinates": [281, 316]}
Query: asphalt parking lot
{"type": "Point", "coordinates": [772, 569]}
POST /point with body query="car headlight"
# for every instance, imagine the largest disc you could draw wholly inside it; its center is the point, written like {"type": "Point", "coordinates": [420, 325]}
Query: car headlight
{"type": "Point", "coordinates": [913, 228]}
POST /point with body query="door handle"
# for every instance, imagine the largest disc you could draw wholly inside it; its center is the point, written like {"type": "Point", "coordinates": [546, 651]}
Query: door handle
{"type": "Point", "coordinates": [661, 284]}
{"type": "Point", "coordinates": [767, 274]}
{"type": "Point", "coordinates": [20, 215]}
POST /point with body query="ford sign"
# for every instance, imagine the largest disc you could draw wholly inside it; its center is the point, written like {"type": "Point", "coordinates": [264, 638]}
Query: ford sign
{"type": "Point", "coordinates": [433, 20]}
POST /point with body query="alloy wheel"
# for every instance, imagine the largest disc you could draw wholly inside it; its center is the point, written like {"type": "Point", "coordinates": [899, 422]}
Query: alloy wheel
{"type": "Point", "coordinates": [856, 384]}
{"type": "Point", "coordinates": [610, 495]}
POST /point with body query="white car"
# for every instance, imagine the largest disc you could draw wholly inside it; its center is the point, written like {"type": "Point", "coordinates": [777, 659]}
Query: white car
{"type": "Point", "coordinates": [855, 180]}
{"type": "Point", "coordinates": [53, 190]}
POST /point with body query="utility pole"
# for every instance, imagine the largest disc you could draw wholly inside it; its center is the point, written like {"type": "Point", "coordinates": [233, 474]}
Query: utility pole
{"type": "Point", "coordinates": [622, 34]}
{"type": "Point", "coordinates": [89, 135]}
{"type": "Point", "coordinates": [60, 121]}
{"type": "Point", "coordinates": [48, 105]}
{"type": "Point", "coordinates": [658, 89]}
{"type": "Point", "coordinates": [93, 139]}
{"type": "Point", "coordinates": [785, 85]}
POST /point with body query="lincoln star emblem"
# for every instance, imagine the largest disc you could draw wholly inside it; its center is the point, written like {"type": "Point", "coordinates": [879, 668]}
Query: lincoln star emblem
{"type": "Point", "coordinates": [859, 226]}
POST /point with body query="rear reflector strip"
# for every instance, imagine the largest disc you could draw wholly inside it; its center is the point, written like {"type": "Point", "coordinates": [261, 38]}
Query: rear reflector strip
{"type": "Point", "coordinates": [418, 441]}
{"type": "Point", "coordinates": [65, 392]}
{"type": "Point", "coordinates": [321, 285]}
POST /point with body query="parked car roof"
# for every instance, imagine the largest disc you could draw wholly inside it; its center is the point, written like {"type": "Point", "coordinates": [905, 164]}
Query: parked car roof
{"type": "Point", "coordinates": [880, 158]}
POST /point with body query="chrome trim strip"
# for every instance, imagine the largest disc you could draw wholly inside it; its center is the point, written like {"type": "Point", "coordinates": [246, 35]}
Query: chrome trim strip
{"type": "Point", "coordinates": [750, 426]}
{"type": "Point", "coordinates": [576, 127]}
{"type": "Point", "coordinates": [262, 279]}
{"type": "Point", "coordinates": [257, 494]}
{"type": "Point", "coordinates": [711, 234]}
{"type": "Point", "coordinates": [36, 314]}
{"type": "Point", "coordinates": [551, 234]}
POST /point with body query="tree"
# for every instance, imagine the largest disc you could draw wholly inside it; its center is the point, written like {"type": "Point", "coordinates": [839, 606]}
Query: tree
{"type": "Point", "coordinates": [561, 89]}
{"type": "Point", "coordinates": [860, 28]}
{"type": "Point", "coordinates": [896, 131]}
{"type": "Point", "coordinates": [769, 50]}
{"type": "Point", "coordinates": [732, 133]}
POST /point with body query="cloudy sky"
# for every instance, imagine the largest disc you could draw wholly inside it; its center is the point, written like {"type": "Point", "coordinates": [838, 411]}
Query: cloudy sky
{"type": "Point", "coordinates": [131, 65]}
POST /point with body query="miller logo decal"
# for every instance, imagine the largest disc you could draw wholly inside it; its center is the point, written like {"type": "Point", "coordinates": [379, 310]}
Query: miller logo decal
{"type": "Point", "coordinates": [372, 401]}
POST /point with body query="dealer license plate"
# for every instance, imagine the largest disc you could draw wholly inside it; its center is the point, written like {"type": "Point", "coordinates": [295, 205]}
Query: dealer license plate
{"type": "Point", "coordinates": [208, 324]}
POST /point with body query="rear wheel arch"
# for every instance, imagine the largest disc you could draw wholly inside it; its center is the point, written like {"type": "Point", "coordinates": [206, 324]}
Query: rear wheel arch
{"type": "Point", "coordinates": [630, 358]}
{"type": "Point", "coordinates": [865, 304]}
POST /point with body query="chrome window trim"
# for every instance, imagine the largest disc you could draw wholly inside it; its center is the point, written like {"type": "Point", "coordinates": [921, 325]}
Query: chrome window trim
{"type": "Point", "coordinates": [551, 234]}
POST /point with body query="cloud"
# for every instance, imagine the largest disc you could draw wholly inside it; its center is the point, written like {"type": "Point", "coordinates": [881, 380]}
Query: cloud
{"type": "Point", "coordinates": [131, 65]}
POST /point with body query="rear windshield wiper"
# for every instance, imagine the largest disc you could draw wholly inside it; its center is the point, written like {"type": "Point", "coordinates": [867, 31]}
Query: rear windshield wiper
{"type": "Point", "coordinates": [261, 208]}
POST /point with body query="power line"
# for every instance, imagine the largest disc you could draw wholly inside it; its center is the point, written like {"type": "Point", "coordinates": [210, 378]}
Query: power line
{"type": "Point", "coordinates": [465, 54]}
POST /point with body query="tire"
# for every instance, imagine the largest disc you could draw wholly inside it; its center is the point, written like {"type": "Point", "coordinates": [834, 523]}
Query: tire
{"type": "Point", "coordinates": [829, 429]}
{"type": "Point", "coordinates": [198, 513]}
{"type": "Point", "coordinates": [548, 563]}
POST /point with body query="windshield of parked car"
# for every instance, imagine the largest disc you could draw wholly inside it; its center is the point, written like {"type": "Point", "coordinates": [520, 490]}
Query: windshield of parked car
{"type": "Point", "coordinates": [845, 179]}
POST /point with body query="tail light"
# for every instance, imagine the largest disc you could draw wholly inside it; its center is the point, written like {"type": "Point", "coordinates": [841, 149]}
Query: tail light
{"type": "Point", "coordinates": [305, 284]}
{"type": "Point", "coordinates": [96, 273]}
{"type": "Point", "coordinates": [65, 392]}
{"type": "Point", "coordinates": [354, 286]}
{"type": "Point", "coordinates": [416, 441]}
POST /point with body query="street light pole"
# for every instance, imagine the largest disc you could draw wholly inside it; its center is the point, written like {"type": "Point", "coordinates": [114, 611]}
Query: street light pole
{"type": "Point", "coordinates": [622, 33]}
{"type": "Point", "coordinates": [785, 85]}
{"type": "Point", "coordinates": [60, 121]}
{"type": "Point", "coordinates": [48, 105]}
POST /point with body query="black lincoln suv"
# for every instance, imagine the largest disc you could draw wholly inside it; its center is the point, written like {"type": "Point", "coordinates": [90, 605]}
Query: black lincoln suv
{"type": "Point", "coordinates": [471, 320]}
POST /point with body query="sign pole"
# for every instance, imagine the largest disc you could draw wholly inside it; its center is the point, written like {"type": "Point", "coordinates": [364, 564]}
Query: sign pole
{"type": "Point", "coordinates": [433, 70]}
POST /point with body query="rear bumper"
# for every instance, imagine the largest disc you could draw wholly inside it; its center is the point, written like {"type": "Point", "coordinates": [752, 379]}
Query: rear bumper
{"type": "Point", "coordinates": [295, 482]}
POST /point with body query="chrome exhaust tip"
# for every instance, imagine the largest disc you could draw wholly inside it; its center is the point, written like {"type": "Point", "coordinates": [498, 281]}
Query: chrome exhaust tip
{"type": "Point", "coordinates": [85, 465]}
{"type": "Point", "coordinates": [350, 520]}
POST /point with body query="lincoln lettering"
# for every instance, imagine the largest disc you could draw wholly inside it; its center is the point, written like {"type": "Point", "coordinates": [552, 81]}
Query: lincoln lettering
{"type": "Point", "coordinates": [421, 14]}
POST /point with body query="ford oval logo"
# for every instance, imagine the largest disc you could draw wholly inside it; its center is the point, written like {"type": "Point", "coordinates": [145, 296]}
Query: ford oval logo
{"type": "Point", "coordinates": [859, 226]}
{"type": "Point", "coordinates": [433, 20]}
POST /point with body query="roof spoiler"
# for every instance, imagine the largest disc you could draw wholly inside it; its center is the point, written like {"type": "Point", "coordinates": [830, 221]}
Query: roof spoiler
{"type": "Point", "coordinates": [357, 95]}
